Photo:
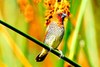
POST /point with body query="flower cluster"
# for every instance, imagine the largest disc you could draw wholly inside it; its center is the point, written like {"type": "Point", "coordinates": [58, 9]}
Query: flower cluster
{"type": "Point", "coordinates": [54, 6]}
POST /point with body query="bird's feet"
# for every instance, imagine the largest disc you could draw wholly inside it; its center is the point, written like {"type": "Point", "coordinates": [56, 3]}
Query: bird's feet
{"type": "Point", "coordinates": [50, 48]}
{"type": "Point", "coordinates": [61, 53]}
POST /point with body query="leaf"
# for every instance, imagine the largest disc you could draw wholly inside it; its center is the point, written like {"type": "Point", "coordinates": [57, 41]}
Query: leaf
{"type": "Point", "coordinates": [90, 35]}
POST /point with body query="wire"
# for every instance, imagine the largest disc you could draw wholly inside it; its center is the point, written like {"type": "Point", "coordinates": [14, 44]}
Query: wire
{"type": "Point", "coordinates": [40, 44]}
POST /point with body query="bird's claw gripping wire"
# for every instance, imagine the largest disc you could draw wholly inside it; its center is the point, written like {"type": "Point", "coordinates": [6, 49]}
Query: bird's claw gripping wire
{"type": "Point", "coordinates": [61, 53]}
{"type": "Point", "coordinates": [50, 48]}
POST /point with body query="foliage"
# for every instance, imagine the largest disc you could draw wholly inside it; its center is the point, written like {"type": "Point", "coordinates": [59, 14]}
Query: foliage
{"type": "Point", "coordinates": [80, 43]}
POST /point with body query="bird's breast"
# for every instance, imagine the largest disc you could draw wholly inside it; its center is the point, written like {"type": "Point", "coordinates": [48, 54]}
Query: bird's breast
{"type": "Point", "coordinates": [54, 30]}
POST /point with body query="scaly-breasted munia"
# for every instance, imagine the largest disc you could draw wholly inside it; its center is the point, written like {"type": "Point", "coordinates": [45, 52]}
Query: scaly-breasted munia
{"type": "Point", "coordinates": [54, 34]}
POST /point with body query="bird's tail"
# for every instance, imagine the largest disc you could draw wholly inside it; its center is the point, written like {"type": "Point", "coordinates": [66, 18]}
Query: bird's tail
{"type": "Point", "coordinates": [42, 55]}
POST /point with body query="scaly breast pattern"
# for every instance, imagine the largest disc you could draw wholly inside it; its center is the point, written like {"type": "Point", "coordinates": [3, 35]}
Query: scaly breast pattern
{"type": "Point", "coordinates": [54, 32]}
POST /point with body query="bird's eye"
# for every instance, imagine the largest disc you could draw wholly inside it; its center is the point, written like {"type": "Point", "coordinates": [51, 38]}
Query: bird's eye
{"type": "Point", "coordinates": [59, 14]}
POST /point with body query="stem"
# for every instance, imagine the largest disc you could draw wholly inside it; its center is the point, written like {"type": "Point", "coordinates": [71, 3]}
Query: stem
{"type": "Point", "coordinates": [77, 28]}
{"type": "Point", "coordinates": [40, 44]}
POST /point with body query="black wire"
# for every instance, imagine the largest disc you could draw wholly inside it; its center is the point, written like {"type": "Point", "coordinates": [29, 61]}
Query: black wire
{"type": "Point", "coordinates": [40, 44]}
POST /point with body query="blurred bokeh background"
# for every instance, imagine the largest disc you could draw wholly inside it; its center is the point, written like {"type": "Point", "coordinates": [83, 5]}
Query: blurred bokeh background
{"type": "Point", "coordinates": [81, 42]}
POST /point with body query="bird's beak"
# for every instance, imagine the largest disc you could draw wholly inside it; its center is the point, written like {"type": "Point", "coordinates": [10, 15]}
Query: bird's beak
{"type": "Point", "coordinates": [63, 15]}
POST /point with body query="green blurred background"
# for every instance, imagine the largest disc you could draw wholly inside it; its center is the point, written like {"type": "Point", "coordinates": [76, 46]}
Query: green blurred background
{"type": "Point", "coordinates": [81, 41]}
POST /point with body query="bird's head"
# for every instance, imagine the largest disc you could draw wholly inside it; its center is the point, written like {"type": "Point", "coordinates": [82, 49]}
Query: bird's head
{"type": "Point", "coordinates": [60, 17]}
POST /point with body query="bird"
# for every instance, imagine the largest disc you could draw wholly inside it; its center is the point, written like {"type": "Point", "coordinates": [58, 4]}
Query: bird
{"type": "Point", "coordinates": [54, 34]}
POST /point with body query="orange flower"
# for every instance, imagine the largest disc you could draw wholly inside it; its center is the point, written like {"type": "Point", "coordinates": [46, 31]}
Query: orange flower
{"type": "Point", "coordinates": [27, 9]}
{"type": "Point", "coordinates": [22, 4]}
{"type": "Point", "coordinates": [36, 1]}
{"type": "Point", "coordinates": [29, 13]}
